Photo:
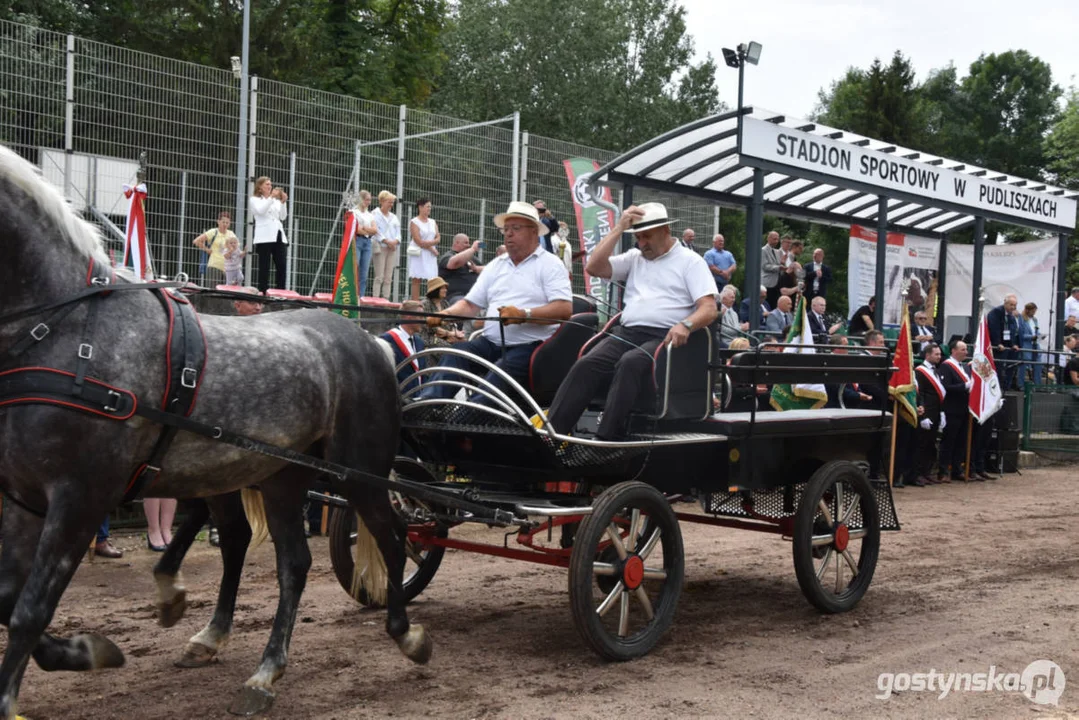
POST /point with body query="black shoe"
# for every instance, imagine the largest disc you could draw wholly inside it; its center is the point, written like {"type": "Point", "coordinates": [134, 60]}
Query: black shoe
{"type": "Point", "coordinates": [899, 484]}
{"type": "Point", "coordinates": [155, 548]}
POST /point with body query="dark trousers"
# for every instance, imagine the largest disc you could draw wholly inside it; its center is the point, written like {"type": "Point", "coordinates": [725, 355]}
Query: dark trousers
{"type": "Point", "coordinates": [514, 362]}
{"type": "Point", "coordinates": [1006, 367]}
{"type": "Point", "coordinates": [773, 299]}
{"type": "Point", "coordinates": [265, 251]}
{"type": "Point", "coordinates": [620, 365]}
{"type": "Point", "coordinates": [980, 445]}
{"type": "Point", "coordinates": [927, 448]}
{"type": "Point", "coordinates": [906, 444]}
{"type": "Point", "coordinates": [953, 443]}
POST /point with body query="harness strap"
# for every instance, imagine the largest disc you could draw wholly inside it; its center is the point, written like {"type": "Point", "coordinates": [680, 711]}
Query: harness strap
{"type": "Point", "coordinates": [86, 348]}
{"type": "Point", "coordinates": [38, 333]}
{"type": "Point", "coordinates": [82, 295]}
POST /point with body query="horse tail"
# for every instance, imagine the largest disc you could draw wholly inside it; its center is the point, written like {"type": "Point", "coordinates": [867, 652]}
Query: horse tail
{"type": "Point", "coordinates": [369, 576]}
{"type": "Point", "coordinates": [255, 511]}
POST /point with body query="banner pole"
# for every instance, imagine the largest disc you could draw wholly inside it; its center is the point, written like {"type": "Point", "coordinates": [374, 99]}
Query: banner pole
{"type": "Point", "coordinates": [891, 454]}
{"type": "Point", "coordinates": [970, 436]}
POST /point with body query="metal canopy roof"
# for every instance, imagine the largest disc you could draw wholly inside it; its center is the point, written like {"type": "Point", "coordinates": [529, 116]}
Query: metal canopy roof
{"type": "Point", "coordinates": [702, 159]}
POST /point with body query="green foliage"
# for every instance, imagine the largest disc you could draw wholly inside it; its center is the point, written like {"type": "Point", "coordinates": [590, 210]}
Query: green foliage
{"type": "Point", "coordinates": [609, 73]}
{"type": "Point", "coordinates": [881, 102]}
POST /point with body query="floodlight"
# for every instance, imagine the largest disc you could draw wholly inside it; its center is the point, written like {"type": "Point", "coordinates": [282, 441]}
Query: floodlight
{"type": "Point", "coordinates": [731, 58]}
{"type": "Point", "coordinates": [753, 53]}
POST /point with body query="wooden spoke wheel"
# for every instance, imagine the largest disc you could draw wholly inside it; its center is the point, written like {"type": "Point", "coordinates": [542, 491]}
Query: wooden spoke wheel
{"type": "Point", "coordinates": [836, 537]}
{"type": "Point", "coordinates": [421, 561]}
{"type": "Point", "coordinates": [631, 538]}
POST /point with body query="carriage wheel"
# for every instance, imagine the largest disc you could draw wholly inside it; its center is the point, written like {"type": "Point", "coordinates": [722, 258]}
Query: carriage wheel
{"type": "Point", "coordinates": [421, 561]}
{"type": "Point", "coordinates": [625, 620]}
{"type": "Point", "coordinates": [835, 563]}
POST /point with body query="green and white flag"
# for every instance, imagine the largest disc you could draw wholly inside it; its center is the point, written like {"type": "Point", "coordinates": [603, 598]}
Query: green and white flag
{"type": "Point", "coordinates": [802, 396]}
{"type": "Point", "coordinates": [346, 289]}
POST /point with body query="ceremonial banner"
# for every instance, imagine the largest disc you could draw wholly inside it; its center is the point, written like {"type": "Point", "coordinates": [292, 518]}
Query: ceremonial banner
{"type": "Point", "coordinates": [802, 396]}
{"type": "Point", "coordinates": [910, 260]}
{"type": "Point", "coordinates": [1027, 270]}
{"type": "Point", "coordinates": [986, 396]}
{"type": "Point", "coordinates": [345, 287]}
{"type": "Point", "coordinates": [902, 386]}
{"type": "Point", "coordinates": [136, 251]}
{"type": "Point", "coordinates": [593, 222]}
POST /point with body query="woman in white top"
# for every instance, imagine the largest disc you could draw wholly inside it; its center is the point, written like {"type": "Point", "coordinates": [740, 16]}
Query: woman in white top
{"type": "Point", "coordinates": [423, 247]}
{"type": "Point", "coordinates": [267, 207]}
{"type": "Point", "coordinates": [386, 241]}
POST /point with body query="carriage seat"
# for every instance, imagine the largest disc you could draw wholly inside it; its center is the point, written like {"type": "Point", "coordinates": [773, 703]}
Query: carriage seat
{"type": "Point", "coordinates": [583, 304]}
{"type": "Point", "coordinates": [681, 386]}
{"type": "Point", "coordinates": [552, 360]}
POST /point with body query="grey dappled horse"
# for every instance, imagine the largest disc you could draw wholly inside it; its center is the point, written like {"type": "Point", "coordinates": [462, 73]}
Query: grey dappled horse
{"type": "Point", "coordinates": [307, 380]}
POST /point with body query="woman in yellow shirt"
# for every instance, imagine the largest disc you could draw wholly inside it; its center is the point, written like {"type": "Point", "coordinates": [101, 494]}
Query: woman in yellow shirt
{"type": "Point", "coordinates": [212, 242]}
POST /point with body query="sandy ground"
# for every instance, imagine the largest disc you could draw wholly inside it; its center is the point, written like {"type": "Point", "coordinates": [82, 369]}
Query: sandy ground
{"type": "Point", "coordinates": [981, 575]}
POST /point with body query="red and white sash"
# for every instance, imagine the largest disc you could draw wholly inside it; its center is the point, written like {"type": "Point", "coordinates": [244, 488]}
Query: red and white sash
{"type": "Point", "coordinates": [958, 368]}
{"type": "Point", "coordinates": [401, 339]}
{"type": "Point", "coordinates": [932, 376]}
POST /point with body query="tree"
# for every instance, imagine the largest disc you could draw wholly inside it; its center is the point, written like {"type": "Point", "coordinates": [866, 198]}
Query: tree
{"type": "Point", "coordinates": [881, 103]}
{"type": "Point", "coordinates": [1062, 155]}
{"type": "Point", "coordinates": [600, 72]}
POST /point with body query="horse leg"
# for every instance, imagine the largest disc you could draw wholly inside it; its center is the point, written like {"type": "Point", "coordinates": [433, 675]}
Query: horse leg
{"type": "Point", "coordinates": [235, 534]}
{"type": "Point", "coordinates": [171, 593]}
{"type": "Point", "coordinates": [82, 652]}
{"type": "Point", "coordinates": [283, 496]}
{"type": "Point", "coordinates": [66, 533]}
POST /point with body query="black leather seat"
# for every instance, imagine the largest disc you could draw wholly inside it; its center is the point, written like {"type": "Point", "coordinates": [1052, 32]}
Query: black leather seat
{"type": "Point", "coordinates": [552, 360]}
{"type": "Point", "coordinates": [583, 304]}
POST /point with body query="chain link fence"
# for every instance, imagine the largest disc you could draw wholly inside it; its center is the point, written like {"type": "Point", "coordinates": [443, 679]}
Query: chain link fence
{"type": "Point", "coordinates": [83, 111]}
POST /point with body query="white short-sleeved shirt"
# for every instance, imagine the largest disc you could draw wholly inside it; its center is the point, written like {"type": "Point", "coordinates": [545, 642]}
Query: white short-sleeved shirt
{"type": "Point", "coordinates": [664, 291]}
{"type": "Point", "coordinates": [537, 280]}
{"type": "Point", "coordinates": [1071, 307]}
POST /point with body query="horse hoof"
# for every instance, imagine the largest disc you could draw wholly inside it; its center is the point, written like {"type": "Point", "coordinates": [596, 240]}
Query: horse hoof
{"type": "Point", "coordinates": [103, 653]}
{"type": "Point", "coordinates": [171, 612]}
{"type": "Point", "coordinates": [251, 701]}
{"type": "Point", "coordinates": [196, 655]}
{"type": "Point", "coordinates": [416, 644]}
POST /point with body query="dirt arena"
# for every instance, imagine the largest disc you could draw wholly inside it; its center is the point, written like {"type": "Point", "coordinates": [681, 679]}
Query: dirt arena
{"type": "Point", "coordinates": [981, 575]}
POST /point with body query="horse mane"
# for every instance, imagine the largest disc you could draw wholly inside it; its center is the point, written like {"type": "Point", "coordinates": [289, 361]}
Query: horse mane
{"type": "Point", "coordinates": [84, 237]}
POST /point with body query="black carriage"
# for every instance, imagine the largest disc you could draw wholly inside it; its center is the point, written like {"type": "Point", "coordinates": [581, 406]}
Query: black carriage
{"type": "Point", "coordinates": [603, 510]}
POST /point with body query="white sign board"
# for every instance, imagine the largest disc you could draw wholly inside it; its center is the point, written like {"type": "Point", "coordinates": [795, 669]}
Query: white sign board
{"type": "Point", "coordinates": [786, 146]}
{"type": "Point", "coordinates": [910, 262]}
{"type": "Point", "coordinates": [1027, 270]}
{"type": "Point", "coordinates": [105, 191]}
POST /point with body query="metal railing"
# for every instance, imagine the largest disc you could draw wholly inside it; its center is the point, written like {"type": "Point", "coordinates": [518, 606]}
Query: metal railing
{"type": "Point", "coordinates": [1051, 418]}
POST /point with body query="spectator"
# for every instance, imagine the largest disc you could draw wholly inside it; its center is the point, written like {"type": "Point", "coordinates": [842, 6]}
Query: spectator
{"type": "Point", "coordinates": [743, 396]}
{"type": "Point", "coordinates": [1067, 353]}
{"type": "Point", "coordinates": [458, 267]}
{"type": "Point", "coordinates": [447, 333]}
{"type": "Point", "coordinates": [563, 248]}
{"type": "Point", "coordinates": [212, 243]}
{"type": "Point", "coordinates": [923, 331]}
{"type": "Point", "coordinates": [500, 251]}
{"type": "Point", "coordinates": [234, 261]}
{"type": "Point", "coordinates": [269, 211]}
{"type": "Point", "coordinates": [1004, 337]}
{"type": "Point", "coordinates": [423, 247]}
{"type": "Point", "coordinates": [103, 547]}
{"type": "Point", "coordinates": [729, 326]}
{"type": "Point", "coordinates": [247, 307]}
{"type": "Point", "coordinates": [780, 320]}
{"type": "Point", "coordinates": [878, 394]}
{"type": "Point", "coordinates": [384, 249]}
{"type": "Point", "coordinates": [688, 236]}
{"type": "Point", "coordinates": [817, 276]}
{"type": "Point", "coordinates": [549, 221]}
{"type": "Point", "coordinates": [743, 310]}
{"type": "Point", "coordinates": [526, 284]}
{"type": "Point", "coordinates": [405, 342]}
{"type": "Point", "coordinates": [792, 275]}
{"type": "Point", "coordinates": [818, 326]}
{"type": "Point", "coordinates": [1071, 308]}
{"type": "Point", "coordinates": [861, 321]}
{"type": "Point", "coordinates": [720, 262]}
{"type": "Point", "coordinates": [159, 516]}
{"type": "Point", "coordinates": [1071, 368]}
{"type": "Point", "coordinates": [772, 262]}
{"type": "Point", "coordinates": [1029, 335]}
{"type": "Point", "coordinates": [852, 396]}
{"type": "Point", "coordinates": [366, 232]}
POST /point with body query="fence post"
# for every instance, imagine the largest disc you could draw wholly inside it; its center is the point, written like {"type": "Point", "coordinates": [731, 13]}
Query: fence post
{"type": "Point", "coordinates": [402, 126]}
{"type": "Point", "coordinates": [252, 131]}
{"type": "Point", "coordinates": [239, 220]}
{"type": "Point", "coordinates": [483, 225]}
{"type": "Point", "coordinates": [715, 223]}
{"type": "Point", "coordinates": [183, 216]}
{"type": "Point", "coordinates": [290, 263]}
{"type": "Point", "coordinates": [69, 116]}
{"type": "Point", "coordinates": [524, 165]}
{"type": "Point", "coordinates": [514, 173]}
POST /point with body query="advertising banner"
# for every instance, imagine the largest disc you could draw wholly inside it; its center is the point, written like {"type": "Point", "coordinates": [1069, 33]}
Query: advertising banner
{"type": "Point", "coordinates": [911, 262]}
{"type": "Point", "coordinates": [1027, 270]}
{"type": "Point", "coordinates": [593, 222]}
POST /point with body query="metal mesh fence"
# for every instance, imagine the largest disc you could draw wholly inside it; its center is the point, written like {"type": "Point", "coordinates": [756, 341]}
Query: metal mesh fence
{"type": "Point", "coordinates": [1051, 418]}
{"type": "Point", "coordinates": [83, 111]}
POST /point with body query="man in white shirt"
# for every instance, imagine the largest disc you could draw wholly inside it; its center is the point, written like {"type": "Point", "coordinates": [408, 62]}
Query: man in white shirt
{"type": "Point", "coordinates": [525, 285]}
{"type": "Point", "coordinates": [1071, 305]}
{"type": "Point", "coordinates": [669, 294]}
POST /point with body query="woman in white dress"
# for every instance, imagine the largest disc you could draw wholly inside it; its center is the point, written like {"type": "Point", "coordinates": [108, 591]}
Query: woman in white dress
{"type": "Point", "coordinates": [384, 249]}
{"type": "Point", "coordinates": [423, 247]}
{"type": "Point", "coordinates": [268, 209]}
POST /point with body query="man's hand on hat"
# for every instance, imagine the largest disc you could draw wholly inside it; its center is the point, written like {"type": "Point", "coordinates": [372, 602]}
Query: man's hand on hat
{"type": "Point", "coordinates": [512, 315]}
{"type": "Point", "coordinates": [629, 216]}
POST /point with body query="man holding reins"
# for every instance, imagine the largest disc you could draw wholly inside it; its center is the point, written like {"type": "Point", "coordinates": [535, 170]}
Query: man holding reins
{"type": "Point", "coordinates": [669, 294]}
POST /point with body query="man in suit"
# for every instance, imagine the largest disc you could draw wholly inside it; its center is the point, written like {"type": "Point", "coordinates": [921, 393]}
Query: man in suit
{"type": "Point", "coordinates": [852, 395]}
{"type": "Point", "coordinates": [817, 276]}
{"type": "Point", "coordinates": [817, 324]}
{"type": "Point", "coordinates": [781, 318]}
{"type": "Point", "coordinates": [766, 309]}
{"type": "Point", "coordinates": [405, 342]}
{"type": "Point", "coordinates": [1004, 337]}
{"type": "Point", "coordinates": [923, 331]}
{"type": "Point", "coordinates": [772, 263]}
{"type": "Point", "coordinates": [957, 383]}
{"type": "Point", "coordinates": [877, 394]}
{"type": "Point", "coordinates": [931, 394]}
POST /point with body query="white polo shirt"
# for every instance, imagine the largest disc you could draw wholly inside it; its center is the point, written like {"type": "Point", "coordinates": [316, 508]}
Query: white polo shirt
{"type": "Point", "coordinates": [1071, 308]}
{"type": "Point", "coordinates": [662, 292]}
{"type": "Point", "coordinates": [537, 280]}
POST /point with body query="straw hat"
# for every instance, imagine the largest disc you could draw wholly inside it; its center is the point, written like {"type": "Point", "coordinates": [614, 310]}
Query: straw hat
{"type": "Point", "coordinates": [655, 215]}
{"type": "Point", "coordinates": [434, 284]}
{"type": "Point", "coordinates": [524, 211]}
